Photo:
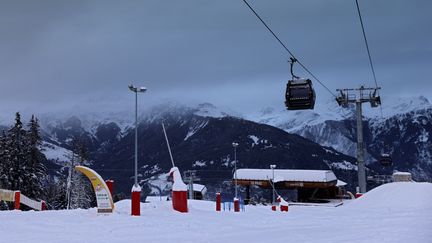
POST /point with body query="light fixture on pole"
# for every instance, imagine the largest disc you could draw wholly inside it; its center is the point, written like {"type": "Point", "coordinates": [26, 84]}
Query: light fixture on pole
{"type": "Point", "coordinates": [272, 167]}
{"type": "Point", "coordinates": [236, 200]}
{"type": "Point", "coordinates": [136, 189]}
{"type": "Point", "coordinates": [235, 145]}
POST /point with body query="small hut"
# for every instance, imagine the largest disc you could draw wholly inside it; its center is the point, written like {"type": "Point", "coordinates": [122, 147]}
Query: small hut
{"type": "Point", "coordinates": [402, 176]}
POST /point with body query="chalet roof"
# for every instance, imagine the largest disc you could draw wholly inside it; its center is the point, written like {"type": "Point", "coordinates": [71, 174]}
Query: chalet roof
{"type": "Point", "coordinates": [286, 175]}
{"type": "Point", "coordinates": [340, 183]}
{"type": "Point", "coordinates": [199, 188]}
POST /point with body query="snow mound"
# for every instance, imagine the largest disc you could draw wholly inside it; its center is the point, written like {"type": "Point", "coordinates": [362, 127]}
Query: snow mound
{"type": "Point", "coordinates": [397, 196]}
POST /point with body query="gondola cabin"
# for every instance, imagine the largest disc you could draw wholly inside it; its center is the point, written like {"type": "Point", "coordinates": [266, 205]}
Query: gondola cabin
{"type": "Point", "coordinates": [299, 95]}
{"type": "Point", "coordinates": [386, 160]}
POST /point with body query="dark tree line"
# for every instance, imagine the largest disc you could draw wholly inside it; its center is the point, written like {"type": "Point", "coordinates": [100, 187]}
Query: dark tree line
{"type": "Point", "coordinates": [22, 169]}
{"type": "Point", "coordinates": [21, 161]}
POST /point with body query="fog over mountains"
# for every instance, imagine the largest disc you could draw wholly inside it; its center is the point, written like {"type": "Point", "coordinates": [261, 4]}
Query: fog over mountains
{"type": "Point", "coordinates": [201, 137]}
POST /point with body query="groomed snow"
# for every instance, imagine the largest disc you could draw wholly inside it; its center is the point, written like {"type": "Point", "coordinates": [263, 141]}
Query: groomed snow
{"type": "Point", "coordinates": [396, 212]}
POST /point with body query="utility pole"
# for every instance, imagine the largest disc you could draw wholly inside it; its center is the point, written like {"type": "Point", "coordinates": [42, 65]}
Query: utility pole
{"type": "Point", "coordinates": [359, 96]}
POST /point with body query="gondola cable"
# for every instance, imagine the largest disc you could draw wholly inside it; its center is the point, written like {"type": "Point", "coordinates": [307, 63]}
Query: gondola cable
{"type": "Point", "coordinates": [368, 51]}
{"type": "Point", "coordinates": [385, 158]}
{"type": "Point", "coordinates": [366, 43]}
{"type": "Point", "coordinates": [286, 48]}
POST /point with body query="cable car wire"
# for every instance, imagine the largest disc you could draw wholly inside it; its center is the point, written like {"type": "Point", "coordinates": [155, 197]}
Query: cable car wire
{"type": "Point", "coordinates": [286, 48]}
{"type": "Point", "coordinates": [366, 42]}
{"type": "Point", "coordinates": [368, 51]}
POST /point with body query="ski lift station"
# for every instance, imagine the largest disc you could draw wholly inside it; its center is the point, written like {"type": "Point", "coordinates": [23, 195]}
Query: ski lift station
{"type": "Point", "coordinates": [309, 184]}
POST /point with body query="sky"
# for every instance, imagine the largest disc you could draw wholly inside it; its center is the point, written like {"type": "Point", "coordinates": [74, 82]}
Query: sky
{"type": "Point", "coordinates": [81, 55]}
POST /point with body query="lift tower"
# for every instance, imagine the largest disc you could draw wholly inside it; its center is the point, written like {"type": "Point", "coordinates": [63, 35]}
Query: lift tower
{"type": "Point", "coordinates": [359, 96]}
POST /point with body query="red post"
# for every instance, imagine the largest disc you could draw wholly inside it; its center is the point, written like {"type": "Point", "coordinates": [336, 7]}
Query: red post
{"type": "Point", "coordinates": [284, 208]}
{"type": "Point", "coordinates": [136, 201]}
{"type": "Point", "coordinates": [44, 206]}
{"type": "Point", "coordinates": [110, 185]}
{"type": "Point", "coordinates": [179, 201]}
{"type": "Point", "coordinates": [236, 205]}
{"type": "Point", "coordinates": [17, 200]}
{"type": "Point", "coordinates": [273, 207]}
{"type": "Point", "coordinates": [218, 202]}
{"type": "Point", "coordinates": [282, 204]}
{"type": "Point", "coordinates": [357, 195]}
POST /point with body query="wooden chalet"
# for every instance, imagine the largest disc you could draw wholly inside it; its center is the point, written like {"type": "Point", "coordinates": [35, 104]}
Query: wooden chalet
{"type": "Point", "coordinates": [310, 184]}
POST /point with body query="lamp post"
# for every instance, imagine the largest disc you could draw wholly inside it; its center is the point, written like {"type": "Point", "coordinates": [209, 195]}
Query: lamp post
{"type": "Point", "coordinates": [272, 167]}
{"type": "Point", "coordinates": [236, 200]}
{"type": "Point", "coordinates": [136, 189]}
{"type": "Point", "coordinates": [235, 145]}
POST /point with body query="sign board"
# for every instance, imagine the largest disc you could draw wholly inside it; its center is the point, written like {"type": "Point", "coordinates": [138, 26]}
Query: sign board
{"type": "Point", "coordinates": [104, 199]}
{"type": "Point", "coordinates": [6, 195]}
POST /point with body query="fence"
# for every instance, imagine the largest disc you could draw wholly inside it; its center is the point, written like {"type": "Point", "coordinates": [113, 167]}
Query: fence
{"type": "Point", "coordinates": [18, 199]}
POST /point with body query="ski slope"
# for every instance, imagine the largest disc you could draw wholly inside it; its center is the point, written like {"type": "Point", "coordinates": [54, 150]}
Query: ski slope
{"type": "Point", "coordinates": [396, 212]}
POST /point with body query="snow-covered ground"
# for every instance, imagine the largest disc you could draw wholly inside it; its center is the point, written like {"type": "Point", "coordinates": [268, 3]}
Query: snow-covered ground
{"type": "Point", "coordinates": [56, 153]}
{"type": "Point", "coordinates": [397, 212]}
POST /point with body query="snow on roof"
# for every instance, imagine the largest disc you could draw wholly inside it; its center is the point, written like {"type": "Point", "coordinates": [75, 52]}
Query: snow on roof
{"type": "Point", "coordinates": [340, 183]}
{"type": "Point", "coordinates": [286, 175]}
{"type": "Point", "coordinates": [402, 173]}
{"type": "Point", "coordinates": [199, 187]}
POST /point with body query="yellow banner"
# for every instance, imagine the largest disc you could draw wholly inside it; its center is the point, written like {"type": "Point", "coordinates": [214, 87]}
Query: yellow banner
{"type": "Point", "coordinates": [6, 195]}
{"type": "Point", "coordinates": [104, 199]}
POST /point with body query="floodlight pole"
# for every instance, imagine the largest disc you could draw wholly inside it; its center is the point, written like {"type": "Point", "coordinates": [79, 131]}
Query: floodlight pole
{"type": "Point", "coordinates": [136, 90]}
{"type": "Point", "coordinates": [346, 97]}
{"type": "Point", "coordinates": [235, 166]}
{"type": "Point", "coordinates": [136, 190]}
{"type": "Point", "coordinates": [136, 139]}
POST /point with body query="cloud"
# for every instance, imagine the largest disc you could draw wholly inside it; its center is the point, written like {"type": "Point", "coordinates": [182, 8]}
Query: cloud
{"type": "Point", "coordinates": [61, 54]}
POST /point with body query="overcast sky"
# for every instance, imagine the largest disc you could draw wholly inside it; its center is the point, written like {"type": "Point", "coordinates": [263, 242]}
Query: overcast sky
{"type": "Point", "coordinates": [83, 54]}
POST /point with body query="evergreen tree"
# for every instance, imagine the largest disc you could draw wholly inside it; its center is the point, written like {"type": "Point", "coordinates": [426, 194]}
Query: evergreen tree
{"type": "Point", "coordinates": [4, 162]}
{"type": "Point", "coordinates": [79, 189]}
{"type": "Point", "coordinates": [56, 191]}
{"type": "Point", "coordinates": [35, 168]}
{"type": "Point", "coordinates": [16, 144]}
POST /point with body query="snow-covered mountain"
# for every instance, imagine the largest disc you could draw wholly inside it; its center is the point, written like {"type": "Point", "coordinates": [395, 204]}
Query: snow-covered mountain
{"type": "Point", "coordinates": [404, 130]}
{"type": "Point", "coordinates": [200, 137]}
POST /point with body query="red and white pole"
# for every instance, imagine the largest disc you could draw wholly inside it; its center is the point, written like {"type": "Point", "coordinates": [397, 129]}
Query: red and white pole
{"type": "Point", "coordinates": [136, 201]}
{"type": "Point", "coordinates": [179, 191]}
{"type": "Point", "coordinates": [283, 204]}
{"type": "Point", "coordinates": [218, 202]}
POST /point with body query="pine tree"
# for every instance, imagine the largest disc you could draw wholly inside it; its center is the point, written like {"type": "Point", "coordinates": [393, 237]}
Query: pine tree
{"type": "Point", "coordinates": [80, 191]}
{"type": "Point", "coordinates": [16, 145]}
{"type": "Point", "coordinates": [35, 168]}
{"type": "Point", "coordinates": [56, 190]}
{"type": "Point", "coordinates": [4, 162]}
